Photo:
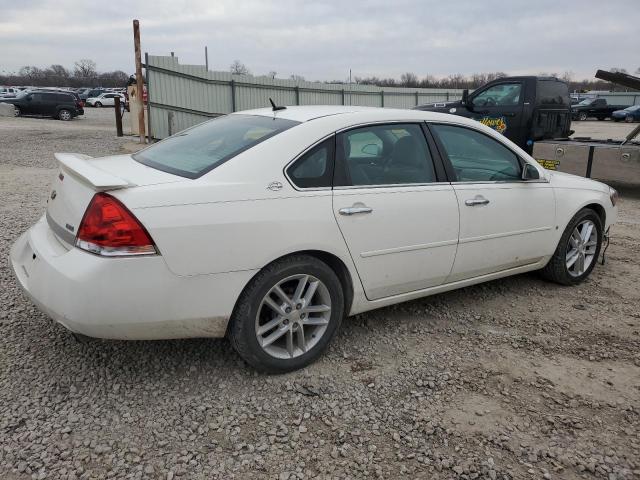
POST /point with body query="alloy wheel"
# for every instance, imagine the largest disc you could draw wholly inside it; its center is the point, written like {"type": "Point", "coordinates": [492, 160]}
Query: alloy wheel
{"type": "Point", "coordinates": [581, 250]}
{"type": "Point", "coordinates": [293, 316]}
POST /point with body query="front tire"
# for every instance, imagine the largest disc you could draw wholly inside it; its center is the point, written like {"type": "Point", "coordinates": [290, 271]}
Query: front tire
{"type": "Point", "coordinates": [97, 105]}
{"type": "Point", "coordinates": [582, 116]}
{"type": "Point", "coordinates": [628, 119]}
{"type": "Point", "coordinates": [287, 315]}
{"type": "Point", "coordinates": [16, 111]}
{"type": "Point", "coordinates": [577, 252]}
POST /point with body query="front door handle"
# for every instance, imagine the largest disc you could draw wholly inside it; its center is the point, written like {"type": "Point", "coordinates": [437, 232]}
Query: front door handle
{"type": "Point", "coordinates": [355, 210]}
{"type": "Point", "coordinates": [478, 200]}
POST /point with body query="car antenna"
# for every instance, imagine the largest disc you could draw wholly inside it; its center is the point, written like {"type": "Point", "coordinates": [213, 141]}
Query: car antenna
{"type": "Point", "coordinates": [274, 107]}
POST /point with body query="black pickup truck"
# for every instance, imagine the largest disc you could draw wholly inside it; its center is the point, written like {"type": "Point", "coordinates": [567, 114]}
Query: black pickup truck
{"type": "Point", "coordinates": [594, 107]}
{"type": "Point", "coordinates": [524, 109]}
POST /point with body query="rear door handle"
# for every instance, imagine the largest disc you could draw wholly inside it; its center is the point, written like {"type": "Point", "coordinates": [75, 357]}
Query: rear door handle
{"type": "Point", "coordinates": [478, 200]}
{"type": "Point", "coordinates": [355, 210]}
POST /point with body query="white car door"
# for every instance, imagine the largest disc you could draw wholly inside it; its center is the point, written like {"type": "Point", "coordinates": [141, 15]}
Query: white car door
{"type": "Point", "coordinates": [505, 222]}
{"type": "Point", "coordinates": [398, 216]}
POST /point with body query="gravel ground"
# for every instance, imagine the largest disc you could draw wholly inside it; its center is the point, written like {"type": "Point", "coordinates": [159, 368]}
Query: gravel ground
{"type": "Point", "coordinates": [515, 378]}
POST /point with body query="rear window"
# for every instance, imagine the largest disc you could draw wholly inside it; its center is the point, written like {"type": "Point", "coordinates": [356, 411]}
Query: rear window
{"type": "Point", "coordinates": [199, 149]}
{"type": "Point", "coordinates": [553, 92]}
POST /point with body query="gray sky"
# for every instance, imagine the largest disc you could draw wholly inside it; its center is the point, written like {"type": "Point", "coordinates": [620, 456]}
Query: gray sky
{"type": "Point", "coordinates": [322, 39]}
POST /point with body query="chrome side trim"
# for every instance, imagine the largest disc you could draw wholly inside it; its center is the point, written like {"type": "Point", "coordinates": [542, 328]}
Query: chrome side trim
{"type": "Point", "coordinates": [61, 232]}
{"type": "Point", "coordinates": [408, 248]}
{"type": "Point", "coordinates": [393, 185]}
{"type": "Point", "coordinates": [491, 182]}
{"type": "Point", "coordinates": [507, 234]}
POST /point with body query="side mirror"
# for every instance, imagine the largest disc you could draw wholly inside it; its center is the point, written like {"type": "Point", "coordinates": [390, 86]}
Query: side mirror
{"type": "Point", "coordinates": [529, 172]}
{"type": "Point", "coordinates": [465, 96]}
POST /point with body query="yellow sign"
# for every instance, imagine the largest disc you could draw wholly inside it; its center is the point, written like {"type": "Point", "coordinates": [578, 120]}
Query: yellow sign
{"type": "Point", "coordinates": [549, 164]}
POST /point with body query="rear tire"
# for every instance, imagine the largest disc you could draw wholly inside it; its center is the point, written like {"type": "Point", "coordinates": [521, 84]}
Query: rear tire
{"type": "Point", "coordinates": [64, 115]}
{"type": "Point", "coordinates": [278, 335]}
{"type": "Point", "coordinates": [560, 269]}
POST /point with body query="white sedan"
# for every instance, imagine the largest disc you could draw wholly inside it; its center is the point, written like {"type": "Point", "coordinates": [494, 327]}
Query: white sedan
{"type": "Point", "coordinates": [271, 226]}
{"type": "Point", "coordinates": [107, 99]}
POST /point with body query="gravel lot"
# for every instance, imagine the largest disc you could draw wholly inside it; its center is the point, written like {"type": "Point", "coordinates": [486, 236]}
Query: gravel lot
{"type": "Point", "coordinates": [516, 378]}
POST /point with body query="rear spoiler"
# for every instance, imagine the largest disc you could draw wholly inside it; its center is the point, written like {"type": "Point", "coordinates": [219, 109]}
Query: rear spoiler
{"type": "Point", "coordinates": [77, 165]}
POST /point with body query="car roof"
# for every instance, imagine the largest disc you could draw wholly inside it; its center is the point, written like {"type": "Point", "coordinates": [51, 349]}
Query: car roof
{"type": "Point", "coordinates": [353, 114]}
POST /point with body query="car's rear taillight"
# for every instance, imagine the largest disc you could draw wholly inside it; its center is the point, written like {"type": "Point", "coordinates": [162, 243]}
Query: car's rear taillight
{"type": "Point", "coordinates": [108, 228]}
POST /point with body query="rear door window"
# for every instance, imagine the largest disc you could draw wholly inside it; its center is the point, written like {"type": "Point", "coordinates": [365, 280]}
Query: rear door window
{"type": "Point", "coordinates": [197, 150]}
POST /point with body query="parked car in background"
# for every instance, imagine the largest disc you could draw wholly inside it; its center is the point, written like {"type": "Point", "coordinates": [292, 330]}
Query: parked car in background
{"type": "Point", "coordinates": [296, 218]}
{"type": "Point", "coordinates": [106, 99]}
{"type": "Point", "coordinates": [79, 101]}
{"type": "Point", "coordinates": [60, 105]}
{"type": "Point", "coordinates": [8, 92]}
{"type": "Point", "coordinates": [594, 107]}
{"type": "Point", "coordinates": [629, 114]}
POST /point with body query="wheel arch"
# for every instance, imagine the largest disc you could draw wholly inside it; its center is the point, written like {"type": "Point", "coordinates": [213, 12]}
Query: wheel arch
{"type": "Point", "coordinates": [332, 261]}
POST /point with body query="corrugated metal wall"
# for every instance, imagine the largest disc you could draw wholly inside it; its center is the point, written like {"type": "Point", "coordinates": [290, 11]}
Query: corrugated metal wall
{"type": "Point", "coordinates": [193, 94]}
{"type": "Point", "coordinates": [621, 98]}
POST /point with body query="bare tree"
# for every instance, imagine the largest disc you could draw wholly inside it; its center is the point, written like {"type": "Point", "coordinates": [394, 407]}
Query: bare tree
{"type": "Point", "coordinates": [273, 74]}
{"type": "Point", "coordinates": [85, 68]}
{"type": "Point", "coordinates": [239, 68]}
{"type": "Point", "coordinates": [409, 79]}
{"type": "Point", "coordinates": [297, 78]}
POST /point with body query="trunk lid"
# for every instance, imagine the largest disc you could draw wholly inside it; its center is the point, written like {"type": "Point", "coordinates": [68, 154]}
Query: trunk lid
{"type": "Point", "coordinates": [81, 176]}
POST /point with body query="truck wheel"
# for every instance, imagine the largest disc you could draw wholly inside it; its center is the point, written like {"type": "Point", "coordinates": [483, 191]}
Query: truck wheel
{"type": "Point", "coordinates": [582, 116]}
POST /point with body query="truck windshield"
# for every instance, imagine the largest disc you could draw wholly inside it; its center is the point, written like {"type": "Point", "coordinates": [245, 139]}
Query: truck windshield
{"type": "Point", "coordinates": [586, 101]}
{"type": "Point", "coordinates": [197, 150]}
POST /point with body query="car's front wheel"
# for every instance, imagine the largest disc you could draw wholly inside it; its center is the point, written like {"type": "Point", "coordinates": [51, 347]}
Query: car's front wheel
{"type": "Point", "coordinates": [97, 104]}
{"type": "Point", "coordinates": [582, 116]}
{"type": "Point", "coordinates": [16, 111]}
{"type": "Point", "coordinates": [628, 119]}
{"type": "Point", "coordinates": [577, 252]}
{"type": "Point", "coordinates": [287, 315]}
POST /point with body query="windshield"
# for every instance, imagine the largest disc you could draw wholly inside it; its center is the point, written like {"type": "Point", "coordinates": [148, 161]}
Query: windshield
{"type": "Point", "coordinates": [586, 101]}
{"type": "Point", "coordinates": [632, 108]}
{"type": "Point", "coordinates": [197, 150]}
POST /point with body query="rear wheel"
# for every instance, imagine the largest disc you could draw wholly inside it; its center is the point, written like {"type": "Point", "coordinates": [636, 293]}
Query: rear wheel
{"type": "Point", "coordinates": [65, 115]}
{"type": "Point", "coordinates": [577, 252]}
{"type": "Point", "coordinates": [287, 315]}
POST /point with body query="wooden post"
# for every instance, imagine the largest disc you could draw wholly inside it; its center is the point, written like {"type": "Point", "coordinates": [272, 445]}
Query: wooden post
{"type": "Point", "coordinates": [118, 117]}
{"type": "Point", "coordinates": [139, 81]}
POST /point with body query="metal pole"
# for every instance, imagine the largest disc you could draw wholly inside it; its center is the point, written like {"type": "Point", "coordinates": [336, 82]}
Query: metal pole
{"type": "Point", "coordinates": [139, 81]}
{"type": "Point", "coordinates": [382, 98]}
{"type": "Point", "coordinates": [147, 72]}
{"type": "Point", "coordinates": [118, 116]}
{"type": "Point", "coordinates": [206, 58]}
{"type": "Point", "coordinates": [297, 92]}
{"type": "Point", "coordinates": [233, 95]}
{"type": "Point", "coordinates": [170, 127]}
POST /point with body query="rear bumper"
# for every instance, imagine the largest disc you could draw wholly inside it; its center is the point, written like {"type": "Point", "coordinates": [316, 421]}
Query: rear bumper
{"type": "Point", "coordinates": [121, 298]}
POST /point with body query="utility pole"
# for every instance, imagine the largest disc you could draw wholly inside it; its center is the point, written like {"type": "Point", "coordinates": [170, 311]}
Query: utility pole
{"type": "Point", "coordinates": [139, 81]}
{"type": "Point", "coordinates": [206, 58]}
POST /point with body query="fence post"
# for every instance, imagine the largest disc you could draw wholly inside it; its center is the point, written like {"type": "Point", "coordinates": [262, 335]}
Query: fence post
{"type": "Point", "coordinates": [147, 71]}
{"type": "Point", "coordinates": [170, 125]}
{"type": "Point", "coordinates": [118, 116]}
{"type": "Point", "coordinates": [233, 95]}
{"type": "Point", "coordinates": [297, 90]}
{"type": "Point", "coordinates": [343, 96]}
{"type": "Point", "coordinates": [382, 98]}
{"type": "Point", "coordinates": [417, 100]}
{"type": "Point", "coordinates": [447, 95]}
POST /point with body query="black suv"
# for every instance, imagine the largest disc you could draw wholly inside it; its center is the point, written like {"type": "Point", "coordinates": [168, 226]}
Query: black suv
{"type": "Point", "coordinates": [60, 105]}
